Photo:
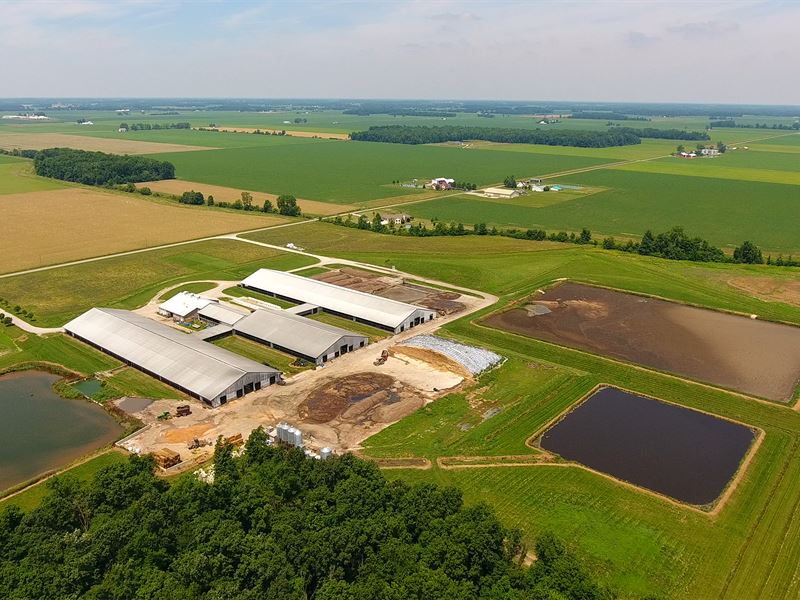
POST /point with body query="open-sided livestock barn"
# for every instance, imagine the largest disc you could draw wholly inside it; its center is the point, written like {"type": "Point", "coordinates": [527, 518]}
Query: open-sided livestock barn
{"type": "Point", "coordinates": [383, 313]}
{"type": "Point", "coordinates": [184, 361]}
{"type": "Point", "coordinates": [314, 341]}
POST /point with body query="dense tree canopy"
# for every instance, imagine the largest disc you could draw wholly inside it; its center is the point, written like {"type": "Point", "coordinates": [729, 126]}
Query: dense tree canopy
{"type": "Point", "coordinates": [401, 134]}
{"type": "Point", "coordinates": [274, 524]}
{"type": "Point", "coordinates": [664, 134]}
{"type": "Point", "coordinates": [99, 168]}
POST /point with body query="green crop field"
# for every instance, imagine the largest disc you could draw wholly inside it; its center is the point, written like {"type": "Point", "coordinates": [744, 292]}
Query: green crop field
{"type": "Point", "coordinates": [132, 280]}
{"type": "Point", "coordinates": [784, 169]}
{"type": "Point", "coordinates": [353, 172]}
{"type": "Point", "coordinates": [19, 348]}
{"type": "Point", "coordinates": [16, 177]}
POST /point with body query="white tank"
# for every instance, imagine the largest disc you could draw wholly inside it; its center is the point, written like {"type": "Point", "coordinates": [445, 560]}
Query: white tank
{"type": "Point", "coordinates": [325, 453]}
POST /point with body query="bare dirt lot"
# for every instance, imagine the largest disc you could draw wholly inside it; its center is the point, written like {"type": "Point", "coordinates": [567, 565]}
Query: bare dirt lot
{"type": "Point", "coordinates": [394, 288]}
{"type": "Point", "coordinates": [39, 141]}
{"type": "Point", "coordinates": [326, 135]}
{"type": "Point", "coordinates": [775, 289]}
{"type": "Point", "coordinates": [41, 228]}
{"type": "Point", "coordinates": [228, 194]}
{"type": "Point", "coordinates": [752, 356]}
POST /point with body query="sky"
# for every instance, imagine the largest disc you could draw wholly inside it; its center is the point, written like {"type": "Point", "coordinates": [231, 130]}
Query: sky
{"type": "Point", "coordinates": [739, 51]}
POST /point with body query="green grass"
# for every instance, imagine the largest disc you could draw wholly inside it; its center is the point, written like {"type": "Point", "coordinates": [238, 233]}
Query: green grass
{"type": "Point", "coordinates": [311, 271]}
{"type": "Point", "coordinates": [239, 292]}
{"type": "Point", "coordinates": [784, 171]}
{"type": "Point", "coordinates": [353, 172]}
{"type": "Point", "coordinates": [261, 353]}
{"type": "Point", "coordinates": [373, 333]}
{"type": "Point", "coordinates": [130, 281]}
{"type": "Point", "coordinates": [196, 287]}
{"type": "Point", "coordinates": [16, 177]}
{"type": "Point", "coordinates": [32, 497]}
{"type": "Point", "coordinates": [22, 348]}
{"type": "Point", "coordinates": [132, 382]}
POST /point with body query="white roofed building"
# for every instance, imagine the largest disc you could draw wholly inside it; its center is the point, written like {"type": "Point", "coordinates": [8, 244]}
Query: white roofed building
{"type": "Point", "coordinates": [184, 361]}
{"type": "Point", "coordinates": [383, 313]}
{"type": "Point", "coordinates": [308, 339]}
{"type": "Point", "coordinates": [183, 306]}
{"type": "Point", "coordinates": [499, 192]}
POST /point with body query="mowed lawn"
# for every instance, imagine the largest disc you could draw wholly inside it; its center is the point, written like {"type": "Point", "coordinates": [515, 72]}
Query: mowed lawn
{"type": "Point", "coordinates": [355, 172]}
{"type": "Point", "coordinates": [71, 223]}
{"type": "Point", "coordinates": [59, 294]}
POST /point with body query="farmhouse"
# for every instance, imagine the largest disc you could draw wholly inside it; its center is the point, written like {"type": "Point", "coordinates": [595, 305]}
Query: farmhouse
{"type": "Point", "coordinates": [442, 183]}
{"type": "Point", "coordinates": [383, 313]}
{"type": "Point", "coordinates": [400, 219]}
{"type": "Point", "coordinates": [496, 192]}
{"type": "Point", "coordinates": [709, 152]}
{"type": "Point", "coordinates": [184, 361]}
{"type": "Point", "coordinates": [305, 338]}
{"type": "Point", "coordinates": [183, 306]}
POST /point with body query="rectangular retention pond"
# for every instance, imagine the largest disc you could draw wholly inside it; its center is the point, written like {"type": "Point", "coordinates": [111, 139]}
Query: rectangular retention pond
{"type": "Point", "coordinates": [682, 453]}
{"type": "Point", "coordinates": [752, 356]}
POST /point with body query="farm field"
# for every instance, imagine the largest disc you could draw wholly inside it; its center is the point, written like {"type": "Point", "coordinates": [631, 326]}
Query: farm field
{"type": "Point", "coordinates": [356, 172]}
{"type": "Point", "coordinates": [39, 141]}
{"type": "Point", "coordinates": [228, 194]}
{"type": "Point", "coordinates": [84, 222]}
{"type": "Point", "coordinates": [784, 169]}
{"type": "Point", "coordinates": [132, 280]}
{"type": "Point", "coordinates": [16, 177]}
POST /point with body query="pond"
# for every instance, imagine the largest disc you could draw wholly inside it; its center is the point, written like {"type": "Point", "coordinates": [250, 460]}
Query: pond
{"type": "Point", "coordinates": [41, 431]}
{"type": "Point", "coordinates": [752, 356]}
{"type": "Point", "coordinates": [682, 453]}
{"type": "Point", "coordinates": [88, 387]}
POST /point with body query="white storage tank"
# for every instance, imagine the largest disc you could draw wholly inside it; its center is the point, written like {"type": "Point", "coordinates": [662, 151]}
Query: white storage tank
{"type": "Point", "coordinates": [325, 453]}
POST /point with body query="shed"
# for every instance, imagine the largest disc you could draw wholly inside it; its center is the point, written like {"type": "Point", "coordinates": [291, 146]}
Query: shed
{"type": "Point", "coordinates": [183, 306]}
{"type": "Point", "coordinates": [498, 192]}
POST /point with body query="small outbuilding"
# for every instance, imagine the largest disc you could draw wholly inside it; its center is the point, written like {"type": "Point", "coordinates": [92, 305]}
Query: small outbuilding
{"type": "Point", "coordinates": [184, 306]}
{"type": "Point", "coordinates": [499, 192]}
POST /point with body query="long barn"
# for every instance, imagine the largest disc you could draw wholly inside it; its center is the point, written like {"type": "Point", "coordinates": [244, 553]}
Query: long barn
{"type": "Point", "coordinates": [184, 361]}
{"type": "Point", "coordinates": [383, 313]}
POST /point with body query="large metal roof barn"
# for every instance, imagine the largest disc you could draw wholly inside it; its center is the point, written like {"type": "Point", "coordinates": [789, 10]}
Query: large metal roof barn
{"type": "Point", "coordinates": [314, 341]}
{"type": "Point", "coordinates": [366, 308]}
{"type": "Point", "coordinates": [182, 360]}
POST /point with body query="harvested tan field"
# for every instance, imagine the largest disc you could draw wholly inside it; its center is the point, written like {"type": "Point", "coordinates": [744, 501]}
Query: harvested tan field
{"type": "Point", "coordinates": [42, 228]}
{"type": "Point", "coordinates": [39, 141]}
{"type": "Point", "coordinates": [326, 135]}
{"type": "Point", "coordinates": [769, 288]}
{"type": "Point", "coordinates": [229, 194]}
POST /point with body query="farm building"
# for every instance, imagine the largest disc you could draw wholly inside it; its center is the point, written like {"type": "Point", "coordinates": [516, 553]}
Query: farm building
{"type": "Point", "coordinates": [383, 313]}
{"type": "Point", "coordinates": [184, 361]}
{"type": "Point", "coordinates": [396, 219]}
{"type": "Point", "coordinates": [183, 306]}
{"type": "Point", "coordinates": [305, 338]}
{"type": "Point", "coordinates": [709, 152]}
{"type": "Point", "coordinates": [219, 314]}
{"type": "Point", "coordinates": [496, 192]}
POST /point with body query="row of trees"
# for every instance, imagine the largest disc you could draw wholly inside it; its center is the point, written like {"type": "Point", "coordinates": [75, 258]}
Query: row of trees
{"type": "Point", "coordinates": [155, 126]}
{"type": "Point", "coordinates": [675, 244]}
{"type": "Point", "coordinates": [664, 134]}
{"type": "Point", "coordinates": [402, 134]}
{"type": "Point", "coordinates": [286, 203]}
{"type": "Point", "coordinates": [99, 168]}
{"type": "Point", "coordinates": [733, 123]}
{"type": "Point", "coordinates": [720, 146]}
{"type": "Point", "coordinates": [608, 116]}
{"type": "Point", "coordinates": [441, 228]}
{"type": "Point", "coordinates": [273, 525]}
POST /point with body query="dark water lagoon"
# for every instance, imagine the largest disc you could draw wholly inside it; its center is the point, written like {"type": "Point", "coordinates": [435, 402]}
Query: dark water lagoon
{"type": "Point", "coordinates": [41, 431]}
{"type": "Point", "coordinates": [682, 453]}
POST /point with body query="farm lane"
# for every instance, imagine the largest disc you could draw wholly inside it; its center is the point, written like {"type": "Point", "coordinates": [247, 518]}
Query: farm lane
{"type": "Point", "coordinates": [25, 326]}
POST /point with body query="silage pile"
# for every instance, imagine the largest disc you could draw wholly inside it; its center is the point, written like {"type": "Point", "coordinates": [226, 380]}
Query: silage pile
{"type": "Point", "coordinates": [475, 360]}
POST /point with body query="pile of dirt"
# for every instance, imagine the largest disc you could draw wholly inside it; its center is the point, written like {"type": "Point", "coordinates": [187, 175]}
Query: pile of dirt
{"type": "Point", "coordinates": [348, 396]}
{"type": "Point", "coordinates": [440, 362]}
{"type": "Point", "coordinates": [185, 434]}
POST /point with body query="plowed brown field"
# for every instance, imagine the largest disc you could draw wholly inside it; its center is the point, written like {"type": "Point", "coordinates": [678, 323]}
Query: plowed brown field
{"type": "Point", "coordinates": [39, 141]}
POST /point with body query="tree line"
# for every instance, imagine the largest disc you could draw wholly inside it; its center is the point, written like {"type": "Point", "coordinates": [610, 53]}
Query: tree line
{"type": "Point", "coordinates": [410, 134]}
{"type": "Point", "coordinates": [273, 525]}
{"type": "Point", "coordinates": [154, 126]}
{"type": "Point", "coordinates": [99, 168]}
{"type": "Point", "coordinates": [608, 116]}
{"type": "Point", "coordinates": [285, 204]}
{"type": "Point", "coordinates": [675, 244]}
{"type": "Point", "coordinates": [732, 123]}
{"type": "Point", "coordinates": [664, 134]}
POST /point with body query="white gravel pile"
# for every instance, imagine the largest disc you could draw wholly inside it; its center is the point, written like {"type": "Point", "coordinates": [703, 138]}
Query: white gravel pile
{"type": "Point", "coordinates": [475, 360]}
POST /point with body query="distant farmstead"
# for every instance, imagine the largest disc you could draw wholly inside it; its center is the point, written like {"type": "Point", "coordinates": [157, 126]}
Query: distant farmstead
{"type": "Point", "coordinates": [400, 219]}
{"type": "Point", "coordinates": [442, 183]}
{"type": "Point", "coordinates": [496, 192]}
